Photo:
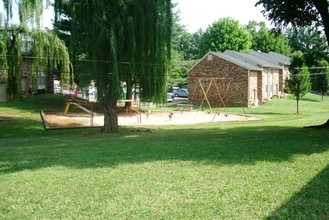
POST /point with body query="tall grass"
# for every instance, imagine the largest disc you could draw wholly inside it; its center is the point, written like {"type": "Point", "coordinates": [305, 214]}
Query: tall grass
{"type": "Point", "coordinates": [273, 168]}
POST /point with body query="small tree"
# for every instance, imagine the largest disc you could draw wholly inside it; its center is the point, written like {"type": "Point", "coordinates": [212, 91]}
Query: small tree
{"type": "Point", "coordinates": [321, 81]}
{"type": "Point", "coordinates": [299, 83]}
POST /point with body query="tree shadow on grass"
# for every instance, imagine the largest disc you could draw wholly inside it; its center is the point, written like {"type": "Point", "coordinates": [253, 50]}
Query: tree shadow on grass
{"type": "Point", "coordinates": [79, 149]}
{"type": "Point", "coordinates": [311, 202]}
{"type": "Point", "coordinates": [16, 127]}
{"type": "Point", "coordinates": [266, 113]}
{"type": "Point", "coordinates": [37, 103]}
{"type": "Point", "coordinates": [309, 100]}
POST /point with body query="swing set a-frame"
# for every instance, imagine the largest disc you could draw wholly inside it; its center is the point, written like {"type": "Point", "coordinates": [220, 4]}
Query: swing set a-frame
{"type": "Point", "coordinates": [206, 89]}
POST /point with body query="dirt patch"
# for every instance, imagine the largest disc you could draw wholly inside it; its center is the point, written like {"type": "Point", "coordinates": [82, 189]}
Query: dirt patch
{"type": "Point", "coordinates": [58, 120]}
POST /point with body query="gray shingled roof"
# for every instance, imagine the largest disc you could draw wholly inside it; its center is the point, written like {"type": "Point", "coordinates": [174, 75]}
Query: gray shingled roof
{"type": "Point", "coordinates": [252, 59]}
{"type": "Point", "coordinates": [237, 61]}
{"type": "Point", "coordinates": [285, 59]}
{"type": "Point", "coordinates": [272, 57]}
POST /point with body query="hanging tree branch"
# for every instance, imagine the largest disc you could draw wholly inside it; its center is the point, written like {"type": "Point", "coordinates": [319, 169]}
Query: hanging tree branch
{"type": "Point", "coordinates": [28, 31]}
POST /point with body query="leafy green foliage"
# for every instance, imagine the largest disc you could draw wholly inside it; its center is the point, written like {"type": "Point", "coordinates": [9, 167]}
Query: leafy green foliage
{"type": "Point", "coordinates": [311, 42]}
{"type": "Point", "coordinates": [225, 34]}
{"type": "Point", "coordinates": [298, 13]}
{"type": "Point", "coordinates": [184, 51]}
{"type": "Point", "coordinates": [12, 60]}
{"type": "Point", "coordinates": [178, 33]}
{"type": "Point", "coordinates": [130, 34]}
{"type": "Point", "coordinates": [30, 12]}
{"type": "Point", "coordinates": [299, 83]}
{"type": "Point", "coordinates": [321, 81]}
{"type": "Point", "coordinates": [189, 45]}
{"type": "Point", "coordinates": [266, 40]}
{"type": "Point", "coordinates": [47, 50]}
{"type": "Point", "coordinates": [290, 11]}
{"type": "Point", "coordinates": [62, 25]}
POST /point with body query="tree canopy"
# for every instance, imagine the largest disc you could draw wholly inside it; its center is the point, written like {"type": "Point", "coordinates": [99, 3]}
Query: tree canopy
{"type": "Point", "coordinates": [184, 51]}
{"type": "Point", "coordinates": [298, 13]}
{"type": "Point", "coordinates": [224, 34]}
{"type": "Point", "coordinates": [266, 40]}
{"type": "Point", "coordinates": [310, 42]}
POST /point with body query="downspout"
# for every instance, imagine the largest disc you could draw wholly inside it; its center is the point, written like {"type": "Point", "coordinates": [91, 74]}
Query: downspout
{"type": "Point", "coordinates": [248, 88]}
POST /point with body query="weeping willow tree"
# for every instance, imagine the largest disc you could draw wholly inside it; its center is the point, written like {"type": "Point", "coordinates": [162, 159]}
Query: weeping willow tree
{"type": "Point", "coordinates": [122, 40]}
{"type": "Point", "coordinates": [45, 50]}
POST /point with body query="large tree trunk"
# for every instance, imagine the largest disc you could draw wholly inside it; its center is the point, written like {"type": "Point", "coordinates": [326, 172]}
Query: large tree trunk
{"type": "Point", "coordinates": [110, 115]}
{"type": "Point", "coordinates": [50, 82]}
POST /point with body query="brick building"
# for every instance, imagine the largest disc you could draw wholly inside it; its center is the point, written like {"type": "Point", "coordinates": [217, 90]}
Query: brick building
{"type": "Point", "coordinates": [240, 79]}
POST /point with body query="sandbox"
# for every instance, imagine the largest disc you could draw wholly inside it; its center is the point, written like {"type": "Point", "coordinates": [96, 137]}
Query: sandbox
{"type": "Point", "coordinates": [53, 120]}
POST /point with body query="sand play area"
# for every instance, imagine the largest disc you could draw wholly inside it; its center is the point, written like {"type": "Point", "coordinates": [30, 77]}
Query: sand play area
{"type": "Point", "coordinates": [58, 120]}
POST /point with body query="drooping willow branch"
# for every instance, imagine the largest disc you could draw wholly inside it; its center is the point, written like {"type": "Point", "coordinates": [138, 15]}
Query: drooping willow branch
{"type": "Point", "coordinates": [136, 31]}
{"type": "Point", "coordinates": [17, 40]}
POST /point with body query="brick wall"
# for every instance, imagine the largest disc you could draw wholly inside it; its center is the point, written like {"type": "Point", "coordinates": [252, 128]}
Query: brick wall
{"type": "Point", "coordinates": [222, 72]}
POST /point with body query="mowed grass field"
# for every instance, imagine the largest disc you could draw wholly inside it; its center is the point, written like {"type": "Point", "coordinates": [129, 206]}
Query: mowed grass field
{"type": "Point", "coordinates": [268, 169]}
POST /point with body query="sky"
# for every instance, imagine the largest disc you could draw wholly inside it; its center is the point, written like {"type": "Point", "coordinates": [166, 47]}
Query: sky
{"type": "Point", "coordinates": [46, 20]}
{"type": "Point", "coordinates": [48, 16]}
{"type": "Point", "coordinates": [196, 14]}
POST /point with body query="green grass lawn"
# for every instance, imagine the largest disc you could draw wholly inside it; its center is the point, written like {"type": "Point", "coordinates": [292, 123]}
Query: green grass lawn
{"type": "Point", "coordinates": [268, 169]}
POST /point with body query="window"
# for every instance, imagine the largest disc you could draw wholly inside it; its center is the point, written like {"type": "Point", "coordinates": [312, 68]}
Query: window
{"type": "Point", "coordinates": [41, 80]}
